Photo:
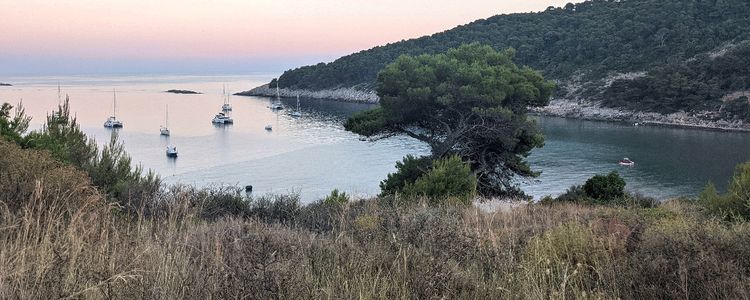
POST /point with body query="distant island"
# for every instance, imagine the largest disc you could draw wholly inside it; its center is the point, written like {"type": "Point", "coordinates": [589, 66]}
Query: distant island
{"type": "Point", "coordinates": [5, 84]}
{"type": "Point", "coordinates": [183, 92]}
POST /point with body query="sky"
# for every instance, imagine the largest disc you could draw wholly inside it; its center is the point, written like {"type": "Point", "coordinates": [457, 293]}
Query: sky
{"type": "Point", "coordinates": [229, 36]}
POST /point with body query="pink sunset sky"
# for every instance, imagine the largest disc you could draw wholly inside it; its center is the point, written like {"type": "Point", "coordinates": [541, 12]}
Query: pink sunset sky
{"type": "Point", "coordinates": [200, 35]}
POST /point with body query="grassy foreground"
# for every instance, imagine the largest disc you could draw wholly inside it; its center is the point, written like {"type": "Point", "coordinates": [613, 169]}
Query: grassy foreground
{"type": "Point", "coordinates": [60, 238]}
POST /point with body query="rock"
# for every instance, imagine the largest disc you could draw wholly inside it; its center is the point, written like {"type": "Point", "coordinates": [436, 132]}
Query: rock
{"type": "Point", "coordinates": [182, 92]}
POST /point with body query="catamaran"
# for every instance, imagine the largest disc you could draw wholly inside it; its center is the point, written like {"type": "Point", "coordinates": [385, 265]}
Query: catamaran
{"type": "Point", "coordinates": [221, 119]}
{"type": "Point", "coordinates": [297, 113]}
{"type": "Point", "coordinates": [226, 106]}
{"type": "Point", "coordinates": [164, 130]}
{"type": "Point", "coordinates": [112, 121]}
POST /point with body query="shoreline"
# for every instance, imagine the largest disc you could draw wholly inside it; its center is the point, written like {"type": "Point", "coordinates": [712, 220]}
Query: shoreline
{"type": "Point", "coordinates": [584, 110]}
{"type": "Point", "coordinates": [341, 94]}
{"type": "Point", "coordinates": [580, 110]}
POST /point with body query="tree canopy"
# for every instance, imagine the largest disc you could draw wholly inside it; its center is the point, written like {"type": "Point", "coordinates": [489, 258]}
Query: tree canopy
{"type": "Point", "coordinates": [470, 101]}
{"type": "Point", "coordinates": [580, 43]}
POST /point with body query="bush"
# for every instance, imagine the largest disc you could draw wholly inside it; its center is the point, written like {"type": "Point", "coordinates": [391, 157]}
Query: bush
{"type": "Point", "coordinates": [735, 204]}
{"type": "Point", "coordinates": [448, 178]}
{"type": "Point", "coordinates": [604, 189]}
{"type": "Point", "coordinates": [284, 209]}
{"type": "Point", "coordinates": [407, 171]}
{"type": "Point", "coordinates": [224, 202]}
{"type": "Point", "coordinates": [337, 197]}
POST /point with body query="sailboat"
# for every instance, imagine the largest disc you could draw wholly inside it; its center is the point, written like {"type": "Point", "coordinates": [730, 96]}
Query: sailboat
{"type": "Point", "coordinates": [276, 105]}
{"type": "Point", "coordinates": [297, 113]}
{"type": "Point", "coordinates": [112, 121]}
{"type": "Point", "coordinates": [164, 130]}
{"type": "Point", "coordinates": [226, 106]}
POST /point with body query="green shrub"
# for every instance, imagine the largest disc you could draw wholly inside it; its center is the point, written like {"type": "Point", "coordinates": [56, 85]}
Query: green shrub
{"type": "Point", "coordinates": [574, 194]}
{"type": "Point", "coordinates": [604, 189]}
{"type": "Point", "coordinates": [337, 197]}
{"type": "Point", "coordinates": [407, 171]}
{"type": "Point", "coordinates": [13, 127]}
{"type": "Point", "coordinates": [448, 178]}
{"type": "Point", "coordinates": [735, 204]}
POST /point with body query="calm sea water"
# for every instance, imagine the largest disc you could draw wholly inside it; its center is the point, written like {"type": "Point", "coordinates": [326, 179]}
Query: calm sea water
{"type": "Point", "coordinates": [312, 155]}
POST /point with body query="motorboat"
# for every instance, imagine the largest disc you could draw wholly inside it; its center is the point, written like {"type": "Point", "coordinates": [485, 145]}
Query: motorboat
{"type": "Point", "coordinates": [112, 121]}
{"type": "Point", "coordinates": [626, 162]}
{"type": "Point", "coordinates": [171, 151]}
{"type": "Point", "coordinates": [221, 118]}
{"type": "Point", "coordinates": [269, 127]}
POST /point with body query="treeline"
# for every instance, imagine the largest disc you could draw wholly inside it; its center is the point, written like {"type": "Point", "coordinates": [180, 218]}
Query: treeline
{"type": "Point", "coordinates": [592, 39]}
{"type": "Point", "coordinates": [704, 83]}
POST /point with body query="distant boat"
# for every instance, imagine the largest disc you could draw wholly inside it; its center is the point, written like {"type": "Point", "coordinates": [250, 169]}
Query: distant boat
{"type": "Point", "coordinates": [221, 119]}
{"type": "Point", "coordinates": [226, 106]}
{"type": "Point", "coordinates": [269, 127]}
{"type": "Point", "coordinates": [297, 113]}
{"type": "Point", "coordinates": [112, 121]}
{"type": "Point", "coordinates": [626, 162]}
{"type": "Point", "coordinates": [276, 105]}
{"type": "Point", "coordinates": [164, 130]}
{"type": "Point", "coordinates": [171, 151]}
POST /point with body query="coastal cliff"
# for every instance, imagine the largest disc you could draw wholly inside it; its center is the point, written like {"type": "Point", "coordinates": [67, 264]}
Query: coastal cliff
{"type": "Point", "coordinates": [341, 94]}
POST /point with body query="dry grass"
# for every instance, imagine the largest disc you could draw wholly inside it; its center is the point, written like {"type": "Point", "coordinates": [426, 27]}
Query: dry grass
{"type": "Point", "coordinates": [58, 239]}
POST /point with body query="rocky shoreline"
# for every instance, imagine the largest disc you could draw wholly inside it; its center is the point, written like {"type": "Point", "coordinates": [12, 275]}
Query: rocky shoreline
{"type": "Point", "coordinates": [587, 110]}
{"type": "Point", "coordinates": [584, 110]}
{"type": "Point", "coordinates": [342, 94]}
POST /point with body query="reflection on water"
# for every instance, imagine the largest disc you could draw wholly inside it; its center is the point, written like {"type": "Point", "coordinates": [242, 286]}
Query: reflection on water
{"type": "Point", "coordinates": [313, 154]}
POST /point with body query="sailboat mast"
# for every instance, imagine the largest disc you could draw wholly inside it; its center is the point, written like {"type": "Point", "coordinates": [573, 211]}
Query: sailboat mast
{"type": "Point", "coordinates": [278, 95]}
{"type": "Point", "coordinates": [59, 95]}
{"type": "Point", "coordinates": [114, 103]}
{"type": "Point", "coordinates": [167, 121]}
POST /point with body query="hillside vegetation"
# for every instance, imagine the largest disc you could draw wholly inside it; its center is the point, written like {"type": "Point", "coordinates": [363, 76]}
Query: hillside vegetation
{"type": "Point", "coordinates": [586, 46]}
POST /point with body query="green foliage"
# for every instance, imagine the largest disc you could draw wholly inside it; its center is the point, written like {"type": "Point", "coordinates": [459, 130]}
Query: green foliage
{"type": "Point", "coordinates": [64, 139]}
{"type": "Point", "coordinates": [593, 38]}
{"type": "Point", "coordinates": [604, 189]}
{"type": "Point", "coordinates": [698, 84]}
{"type": "Point", "coordinates": [735, 204]}
{"type": "Point", "coordinates": [110, 169]}
{"type": "Point", "coordinates": [449, 178]}
{"type": "Point", "coordinates": [470, 101]}
{"type": "Point", "coordinates": [336, 197]}
{"type": "Point", "coordinates": [407, 171]}
{"type": "Point", "coordinates": [13, 127]}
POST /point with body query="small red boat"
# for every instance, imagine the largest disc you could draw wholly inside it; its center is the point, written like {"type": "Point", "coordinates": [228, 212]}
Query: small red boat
{"type": "Point", "coordinates": [626, 162]}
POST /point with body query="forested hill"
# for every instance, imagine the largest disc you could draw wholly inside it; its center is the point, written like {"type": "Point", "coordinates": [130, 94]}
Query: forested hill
{"type": "Point", "coordinates": [576, 43]}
